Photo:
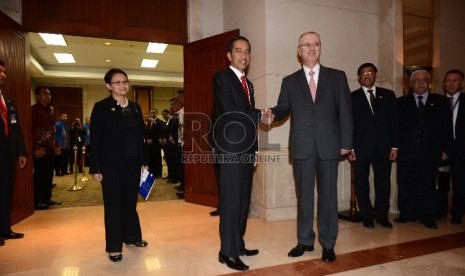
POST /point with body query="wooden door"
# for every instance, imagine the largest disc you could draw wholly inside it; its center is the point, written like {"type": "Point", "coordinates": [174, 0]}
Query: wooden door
{"type": "Point", "coordinates": [202, 59]}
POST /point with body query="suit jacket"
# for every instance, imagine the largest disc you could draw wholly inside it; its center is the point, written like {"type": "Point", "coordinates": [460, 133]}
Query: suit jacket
{"type": "Point", "coordinates": [424, 136]}
{"type": "Point", "coordinates": [235, 130]}
{"type": "Point", "coordinates": [326, 123]}
{"type": "Point", "coordinates": [108, 135]}
{"type": "Point", "coordinates": [459, 145]}
{"type": "Point", "coordinates": [375, 135]}
{"type": "Point", "coordinates": [14, 146]}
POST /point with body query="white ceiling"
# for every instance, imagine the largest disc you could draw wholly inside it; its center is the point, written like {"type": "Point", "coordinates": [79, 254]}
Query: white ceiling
{"type": "Point", "coordinates": [91, 65]}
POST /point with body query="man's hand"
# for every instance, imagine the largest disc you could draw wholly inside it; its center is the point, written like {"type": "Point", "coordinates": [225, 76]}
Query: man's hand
{"type": "Point", "coordinates": [393, 155]}
{"type": "Point", "coordinates": [267, 116]}
{"type": "Point", "coordinates": [22, 160]}
{"type": "Point", "coordinates": [344, 151]}
{"type": "Point", "coordinates": [352, 156]}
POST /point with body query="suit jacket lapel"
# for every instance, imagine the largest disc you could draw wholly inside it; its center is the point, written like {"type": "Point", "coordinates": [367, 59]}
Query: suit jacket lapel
{"type": "Point", "coordinates": [304, 87]}
{"type": "Point", "coordinates": [238, 85]}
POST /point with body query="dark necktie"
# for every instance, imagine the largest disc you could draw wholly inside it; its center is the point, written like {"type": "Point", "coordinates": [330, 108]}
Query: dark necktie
{"type": "Point", "coordinates": [244, 86]}
{"type": "Point", "coordinates": [421, 105]}
{"type": "Point", "coordinates": [372, 100]}
{"type": "Point", "coordinates": [4, 115]}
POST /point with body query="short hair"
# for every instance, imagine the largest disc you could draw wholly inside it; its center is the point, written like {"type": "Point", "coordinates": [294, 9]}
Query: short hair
{"type": "Point", "coordinates": [419, 71]}
{"type": "Point", "coordinates": [165, 111]}
{"type": "Point", "coordinates": [310, 32]}
{"type": "Point", "coordinates": [173, 100]}
{"type": "Point", "coordinates": [454, 71]}
{"type": "Point", "coordinates": [239, 37]}
{"type": "Point", "coordinates": [109, 75]}
{"type": "Point", "coordinates": [38, 89]}
{"type": "Point", "coordinates": [365, 65]}
{"type": "Point", "coordinates": [2, 63]}
{"type": "Point", "coordinates": [180, 92]}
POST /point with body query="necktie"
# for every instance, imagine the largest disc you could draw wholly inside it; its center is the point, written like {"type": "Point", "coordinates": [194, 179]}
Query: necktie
{"type": "Point", "coordinates": [452, 102]}
{"type": "Point", "coordinates": [312, 86]}
{"type": "Point", "coordinates": [4, 115]}
{"type": "Point", "coordinates": [372, 100]}
{"type": "Point", "coordinates": [244, 86]}
{"type": "Point", "coordinates": [421, 105]}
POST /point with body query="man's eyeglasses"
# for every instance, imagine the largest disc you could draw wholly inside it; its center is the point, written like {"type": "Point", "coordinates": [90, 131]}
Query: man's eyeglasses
{"type": "Point", "coordinates": [309, 45]}
{"type": "Point", "coordinates": [120, 83]}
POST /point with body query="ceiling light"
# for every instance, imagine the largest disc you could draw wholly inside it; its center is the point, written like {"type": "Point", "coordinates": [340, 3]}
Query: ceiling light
{"type": "Point", "coordinates": [108, 60]}
{"type": "Point", "coordinates": [158, 48]}
{"type": "Point", "coordinates": [108, 43]}
{"type": "Point", "coordinates": [53, 39]}
{"type": "Point", "coordinates": [64, 58]}
{"type": "Point", "coordinates": [149, 63]}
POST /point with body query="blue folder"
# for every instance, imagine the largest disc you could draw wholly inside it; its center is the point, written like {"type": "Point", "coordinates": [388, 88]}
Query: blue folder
{"type": "Point", "coordinates": [146, 185]}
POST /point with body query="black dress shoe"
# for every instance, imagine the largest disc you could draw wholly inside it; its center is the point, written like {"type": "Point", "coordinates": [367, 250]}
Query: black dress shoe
{"type": "Point", "coordinates": [215, 213]}
{"type": "Point", "coordinates": [430, 224]}
{"type": "Point", "coordinates": [141, 243]}
{"type": "Point", "coordinates": [232, 262]}
{"type": "Point", "coordinates": [328, 255]}
{"type": "Point", "coordinates": [12, 236]}
{"type": "Point", "coordinates": [384, 222]}
{"type": "Point", "coordinates": [456, 221]}
{"type": "Point", "coordinates": [41, 206]}
{"type": "Point", "coordinates": [368, 223]}
{"type": "Point", "coordinates": [181, 195]}
{"type": "Point", "coordinates": [299, 250]}
{"type": "Point", "coordinates": [2, 242]}
{"type": "Point", "coordinates": [115, 258]}
{"type": "Point", "coordinates": [247, 252]}
{"type": "Point", "coordinates": [51, 202]}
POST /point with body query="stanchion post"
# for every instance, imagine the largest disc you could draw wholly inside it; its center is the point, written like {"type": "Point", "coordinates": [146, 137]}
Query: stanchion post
{"type": "Point", "coordinates": [75, 187]}
{"type": "Point", "coordinates": [84, 178]}
{"type": "Point", "coordinates": [352, 214]}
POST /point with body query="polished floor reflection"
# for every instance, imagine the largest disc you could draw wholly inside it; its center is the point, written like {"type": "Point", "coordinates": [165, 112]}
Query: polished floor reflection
{"type": "Point", "coordinates": [183, 240]}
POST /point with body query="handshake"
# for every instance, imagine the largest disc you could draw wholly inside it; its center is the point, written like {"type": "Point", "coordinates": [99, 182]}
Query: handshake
{"type": "Point", "coordinates": [267, 116]}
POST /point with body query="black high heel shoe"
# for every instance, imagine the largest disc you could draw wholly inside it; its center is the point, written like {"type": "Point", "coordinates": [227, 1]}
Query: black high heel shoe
{"type": "Point", "coordinates": [141, 243]}
{"type": "Point", "coordinates": [115, 258]}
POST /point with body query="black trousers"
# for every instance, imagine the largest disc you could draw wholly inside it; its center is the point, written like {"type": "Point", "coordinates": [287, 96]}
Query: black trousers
{"type": "Point", "coordinates": [417, 194]}
{"type": "Point", "coordinates": [155, 164]}
{"type": "Point", "coordinates": [235, 188]}
{"type": "Point", "coordinates": [7, 170]}
{"type": "Point", "coordinates": [382, 186]}
{"type": "Point", "coordinates": [43, 177]}
{"type": "Point", "coordinates": [120, 191]}
{"type": "Point", "coordinates": [458, 186]}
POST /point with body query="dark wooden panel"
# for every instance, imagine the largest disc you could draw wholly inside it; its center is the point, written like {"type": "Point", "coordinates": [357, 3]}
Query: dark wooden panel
{"type": "Point", "coordinates": [13, 50]}
{"type": "Point", "coordinates": [143, 96]}
{"type": "Point", "coordinates": [202, 59]}
{"type": "Point", "coordinates": [149, 20]}
{"type": "Point", "coordinates": [67, 100]}
{"type": "Point", "coordinates": [78, 17]}
{"type": "Point", "coordinates": [140, 20]}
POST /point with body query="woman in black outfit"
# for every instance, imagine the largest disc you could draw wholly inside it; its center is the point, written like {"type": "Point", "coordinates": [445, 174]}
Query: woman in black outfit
{"type": "Point", "coordinates": [117, 157]}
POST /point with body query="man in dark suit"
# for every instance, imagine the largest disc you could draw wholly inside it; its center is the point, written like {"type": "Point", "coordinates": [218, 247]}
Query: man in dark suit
{"type": "Point", "coordinates": [235, 134]}
{"type": "Point", "coordinates": [453, 84]}
{"type": "Point", "coordinates": [318, 98]}
{"type": "Point", "coordinates": [12, 154]}
{"type": "Point", "coordinates": [425, 140]}
{"type": "Point", "coordinates": [376, 139]}
{"type": "Point", "coordinates": [154, 127]}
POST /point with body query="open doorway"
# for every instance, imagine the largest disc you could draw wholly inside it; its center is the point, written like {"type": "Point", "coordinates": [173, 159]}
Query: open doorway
{"type": "Point", "coordinates": [75, 87]}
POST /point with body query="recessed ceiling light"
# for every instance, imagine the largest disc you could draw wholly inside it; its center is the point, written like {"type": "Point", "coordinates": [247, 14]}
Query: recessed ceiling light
{"type": "Point", "coordinates": [108, 43]}
{"type": "Point", "coordinates": [158, 48]}
{"type": "Point", "coordinates": [53, 39]}
{"type": "Point", "coordinates": [108, 60]}
{"type": "Point", "coordinates": [149, 63]}
{"type": "Point", "coordinates": [64, 58]}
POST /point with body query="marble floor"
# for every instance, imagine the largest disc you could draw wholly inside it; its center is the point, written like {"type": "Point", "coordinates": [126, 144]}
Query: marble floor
{"type": "Point", "coordinates": [183, 240]}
